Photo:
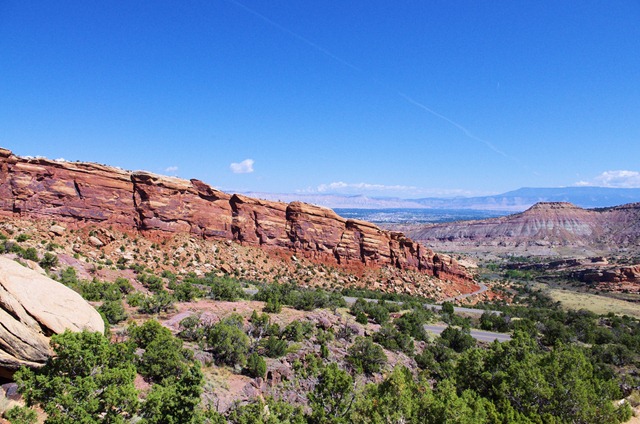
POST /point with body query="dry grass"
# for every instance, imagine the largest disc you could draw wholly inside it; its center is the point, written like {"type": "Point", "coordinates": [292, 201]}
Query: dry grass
{"type": "Point", "coordinates": [592, 302]}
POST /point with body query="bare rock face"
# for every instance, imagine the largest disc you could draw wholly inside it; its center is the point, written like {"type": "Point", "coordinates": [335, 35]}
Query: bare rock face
{"type": "Point", "coordinates": [174, 205]}
{"type": "Point", "coordinates": [615, 274]}
{"type": "Point", "coordinates": [32, 308]}
{"type": "Point", "coordinates": [141, 201]}
{"type": "Point", "coordinates": [259, 222]}
{"type": "Point", "coordinates": [81, 191]}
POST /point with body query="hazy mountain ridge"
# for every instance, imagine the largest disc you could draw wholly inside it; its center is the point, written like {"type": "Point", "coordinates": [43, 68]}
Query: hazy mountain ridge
{"type": "Point", "coordinates": [512, 201]}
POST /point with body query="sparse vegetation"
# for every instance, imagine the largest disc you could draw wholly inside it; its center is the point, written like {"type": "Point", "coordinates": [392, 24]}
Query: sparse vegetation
{"type": "Point", "coordinates": [404, 374]}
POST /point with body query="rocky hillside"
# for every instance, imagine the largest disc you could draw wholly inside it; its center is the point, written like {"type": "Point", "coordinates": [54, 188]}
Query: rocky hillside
{"type": "Point", "coordinates": [156, 206]}
{"type": "Point", "coordinates": [542, 228]}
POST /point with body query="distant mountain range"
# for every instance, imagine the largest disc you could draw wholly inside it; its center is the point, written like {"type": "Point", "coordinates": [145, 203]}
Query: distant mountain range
{"type": "Point", "coordinates": [512, 201]}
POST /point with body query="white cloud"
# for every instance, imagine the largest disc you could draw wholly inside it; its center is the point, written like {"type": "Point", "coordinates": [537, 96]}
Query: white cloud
{"type": "Point", "coordinates": [244, 167]}
{"type": "Point", "coordinates": [171, 169]}
{"type": "Point", "coordinates": [617, 179]}
{"type": "Point", "coordinates": [342, 186]}
{"type": "Point", "coordinates": [403, 191]}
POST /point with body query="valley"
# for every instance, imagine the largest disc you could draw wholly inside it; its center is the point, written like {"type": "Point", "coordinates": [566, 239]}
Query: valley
{"type": "Point", "coordinates": [237, 306]}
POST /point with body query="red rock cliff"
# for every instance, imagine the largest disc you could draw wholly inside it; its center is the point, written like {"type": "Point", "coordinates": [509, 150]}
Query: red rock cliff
{"type": "Point", "coordinates": [92, 193]}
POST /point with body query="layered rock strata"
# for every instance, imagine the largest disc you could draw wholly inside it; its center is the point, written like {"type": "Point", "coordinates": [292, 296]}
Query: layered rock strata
{"type": "Point", "coordinates": [544, 224]}
{"type": "Point", "coordinates": [32, 308]}
{"type": "Point", "coordinates": [141, 201]}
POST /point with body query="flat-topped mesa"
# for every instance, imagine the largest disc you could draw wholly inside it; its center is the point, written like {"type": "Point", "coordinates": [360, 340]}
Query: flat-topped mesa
{"type": "Point", "coordinates": [546, 206]}
{"type": "Point", "coordinates": [160, 205]}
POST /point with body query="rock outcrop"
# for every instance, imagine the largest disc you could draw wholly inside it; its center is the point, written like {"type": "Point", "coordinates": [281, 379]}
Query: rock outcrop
{"type": "Point", "coordinates": [141, 201]}
{"type": "Point", "coordinates": [32, 308]}
{"type": "Point", "coordinates": [613, 275]}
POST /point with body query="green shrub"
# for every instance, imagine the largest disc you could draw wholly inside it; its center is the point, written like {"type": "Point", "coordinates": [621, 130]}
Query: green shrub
{"type": "Point", "coordinates": [191, 328]}
{"type": "Point", "coordinates": [152, 282]}
{"type": "Point", "coordinates": [48, 261]}
{"type": "Point", "coordinates": [163, 357]}
{"type": "Point", "coordinates": [332, 396]}
{"type": "Point", "coordinates": [30, 254]}
{"type": "Point", "coordinates": [273, 305]}
{"type": "Point", "coordinates": [227, 342]}
{"type": "Point", "coordinates": [361, 318]}
{"type": "Point", "coordinates": [296, 331]}
{"type": "Point", "coordinates": [365, 356]}
{"type": "Point", "coordinates": [412, 323]}
{"type": "Point", "coordinates": [185, 291]}
{"type": "Point", "coordinates": [135, 299]}
{"type": "Point", "coordinates": [456, 339]}
{"type": "Point", "coordinates": [21, 415]}
{"type": "Point", "coordinates": [124, 285]}
{"type": "Point", "coordinates": [274, 347]}
{"type": "Point", "coordinates": [256, 366]}
{"type": "Point", "coordinates": [159, 302]}
{"type": "Point", "coordinates": [113, 311]}
{"type": "Point", "coordinates": [88, 380]}
{"type": "Point", "coordinates": [392, 339]}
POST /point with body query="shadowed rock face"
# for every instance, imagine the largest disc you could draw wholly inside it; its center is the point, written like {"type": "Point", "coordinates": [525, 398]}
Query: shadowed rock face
{"type": "Point", "coordinates": [32, 308]}
{"type": "Point", "coordinates": [141, 201]}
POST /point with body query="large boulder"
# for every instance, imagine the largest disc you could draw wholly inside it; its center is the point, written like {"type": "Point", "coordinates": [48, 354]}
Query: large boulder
{"type": "Point", "coordinates": [32, 308]}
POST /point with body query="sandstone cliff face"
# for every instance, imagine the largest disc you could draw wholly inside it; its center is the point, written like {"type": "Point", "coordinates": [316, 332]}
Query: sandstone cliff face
{"type": "Point", "coordinates": [141, 201]}
{"type": "Point", "coordinates": [32, 308]}
{"type": "Point", "coordinates": [81, 191]}
{"type": "Point", "coordinates": [175, 205]}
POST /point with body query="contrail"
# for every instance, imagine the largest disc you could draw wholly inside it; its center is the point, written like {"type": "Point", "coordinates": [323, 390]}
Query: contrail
{"type": "Point", "coordinates": [407, 98]}
{"type": "Point", "coordinates": [296, 35]}
{"type": "Point", "coordinates": [452, 122]}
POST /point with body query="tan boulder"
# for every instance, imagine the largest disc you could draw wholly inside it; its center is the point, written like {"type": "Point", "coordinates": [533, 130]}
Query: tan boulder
{"type": "Point", "coordinates": [58, 230]}
{"type": "Point", "coordinates": [32, 308]}
{"type": "Point", "coordinates": [95, 241]}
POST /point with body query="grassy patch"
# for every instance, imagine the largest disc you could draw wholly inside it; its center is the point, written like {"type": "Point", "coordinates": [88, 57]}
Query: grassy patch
{"type": "Point", "coordinates": [592, 302]}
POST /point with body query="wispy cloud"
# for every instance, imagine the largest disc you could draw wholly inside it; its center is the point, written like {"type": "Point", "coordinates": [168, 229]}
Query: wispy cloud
{"type": "Point", "coordinates": [171, 169]}
{"type": "Point", "coordinates": [244, 167]}
{"type": "Point", "coordinates": [403, 191]}
{"type": "Point", "coordinates": [361, 71]}
{"type": "Point", "coordinates": [617, 179]}
{"type": "Point", "coordinates": [342, 186]}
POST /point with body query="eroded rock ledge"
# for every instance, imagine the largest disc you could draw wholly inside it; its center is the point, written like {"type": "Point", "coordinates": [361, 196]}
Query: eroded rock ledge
{"type": "Point", "coordinates": [155, 205]}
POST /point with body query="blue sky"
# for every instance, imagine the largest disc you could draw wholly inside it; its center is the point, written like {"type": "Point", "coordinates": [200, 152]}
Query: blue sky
{"type": "Point", "coordinates": [385, 98]}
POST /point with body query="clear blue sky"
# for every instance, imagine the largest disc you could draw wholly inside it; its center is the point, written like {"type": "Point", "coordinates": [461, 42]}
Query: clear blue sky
{"type": "Point", "coordinates": [390, 98]}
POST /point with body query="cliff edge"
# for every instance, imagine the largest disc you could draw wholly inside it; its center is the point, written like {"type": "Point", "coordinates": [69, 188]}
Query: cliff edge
{"type": "Point", "coordinates": [89, 193]}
